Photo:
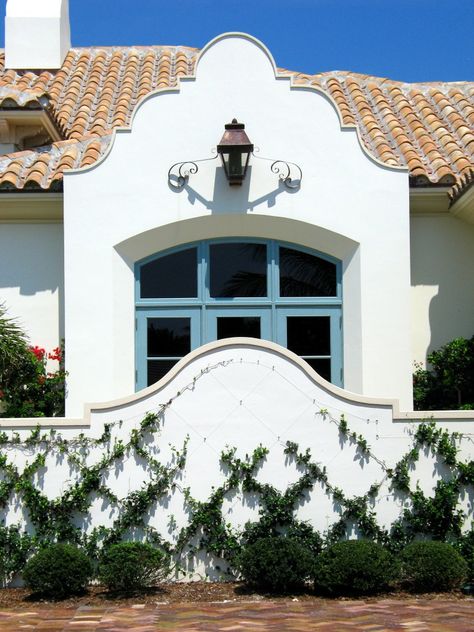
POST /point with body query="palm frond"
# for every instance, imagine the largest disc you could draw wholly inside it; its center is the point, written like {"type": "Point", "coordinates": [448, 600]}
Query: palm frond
{"type": "Point", "coordinates": [14, 344]}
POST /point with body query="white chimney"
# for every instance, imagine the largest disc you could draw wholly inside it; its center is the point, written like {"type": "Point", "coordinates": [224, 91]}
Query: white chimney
{"type": "Point", "coordinates": [37, 34]}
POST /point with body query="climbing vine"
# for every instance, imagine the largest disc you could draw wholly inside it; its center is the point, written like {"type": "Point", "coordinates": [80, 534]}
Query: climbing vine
{"type": "Point", "coordinates": [436, 516]}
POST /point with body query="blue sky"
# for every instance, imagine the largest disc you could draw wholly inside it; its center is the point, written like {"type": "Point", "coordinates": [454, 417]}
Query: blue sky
{"type": "Point", "coordinates": [409, 40]}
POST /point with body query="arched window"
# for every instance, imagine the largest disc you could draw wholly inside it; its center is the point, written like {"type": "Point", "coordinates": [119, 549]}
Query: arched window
{"type": "Point", "coordinates": [218, 289]}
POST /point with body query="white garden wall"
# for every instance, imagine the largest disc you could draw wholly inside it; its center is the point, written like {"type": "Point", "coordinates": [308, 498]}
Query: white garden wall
{"type": "Point", "coordinates": [349, 206]}
{"type": "Point", "coordinates": [241, 394]}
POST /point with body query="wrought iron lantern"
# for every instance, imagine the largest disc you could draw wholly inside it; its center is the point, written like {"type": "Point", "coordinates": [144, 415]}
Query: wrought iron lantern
{"type": "Point", "coordinates": [235, 149]}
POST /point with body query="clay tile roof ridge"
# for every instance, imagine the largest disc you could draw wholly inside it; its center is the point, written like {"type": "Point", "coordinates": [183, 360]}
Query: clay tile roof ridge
{"type": "Point", "coordinates": [192, 51]}
{"type": "Point", "coordinates": [451, 127]}
{"type": "Point", "coordinates": [82, 91]}
{"type": "Point", "coordinates": [442, 85]}
{"type": "Point", "coordinates": [136, 83]}
{"type": "Point", "coordinates": [64, 92]}
{"type": "Point", "coordinates": [383, 124]}
{"type": "Point", "coordinates": [419, 108]}
{"type": "Point", "coordinates": [415, 142]}
{"type": "Point", "coordinates": [365, 136]}
{"type": "Point", "coordinates": [135, 48]}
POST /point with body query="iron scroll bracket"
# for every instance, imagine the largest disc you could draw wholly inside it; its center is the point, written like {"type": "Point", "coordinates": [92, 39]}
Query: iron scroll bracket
{"type": "Point", "coordinates": [289, 173]}
{"type": "Point", "coordinates": [178, 174]}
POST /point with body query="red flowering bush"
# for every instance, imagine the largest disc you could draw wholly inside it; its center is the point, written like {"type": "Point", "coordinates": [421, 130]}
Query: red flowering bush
{"type": "Point", "coordinates": [38, 353]}
{"type": "Point", "coordinates": [30, 385]}
{"type": "Point", "coordinates": [32, 390]}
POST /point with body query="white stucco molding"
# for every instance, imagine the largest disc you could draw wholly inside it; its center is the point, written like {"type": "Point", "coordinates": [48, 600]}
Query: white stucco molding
{"type": "Point", "coordinates": [277, 76]}
{"type": "Point", "coordinates": [178, 233]}
{"type": "Point", "coordinates": [242, 344]}
{"type": "Point", "coordinates": [239, 345]}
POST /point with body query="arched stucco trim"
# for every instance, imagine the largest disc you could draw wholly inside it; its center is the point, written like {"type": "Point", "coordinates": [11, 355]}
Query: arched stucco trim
{"type": "Point", "coordinates": [181, 232]}
{"type": "Point", "coordinates": [238, 35]}
{"type": "Point", "coordinates": [241, 343]}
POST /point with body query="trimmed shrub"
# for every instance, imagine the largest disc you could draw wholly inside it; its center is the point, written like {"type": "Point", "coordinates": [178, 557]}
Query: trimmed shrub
{"type": "Point", "coordinates": [278, 564]}
{"type": "Point", "coordinates": [58, 571]}
{"type": "Point", "coordinates": [130, 566]}
{"type": "Point", "coordinates": [432, 567]}
{"type": "Point", "coordinates": [355, 567]}
{"type": "Point", "coordinates": [465, 546]}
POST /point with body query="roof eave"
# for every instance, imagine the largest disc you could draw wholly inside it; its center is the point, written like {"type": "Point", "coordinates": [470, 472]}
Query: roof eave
{"type": "Point", "coordinates": [44, 117]}
{"type": "Point", "coordinates": [431, 199]}
{"type": "Point", "coordinates": [31, 206]}
{"type": "Point", "coordinates": [463, 206]}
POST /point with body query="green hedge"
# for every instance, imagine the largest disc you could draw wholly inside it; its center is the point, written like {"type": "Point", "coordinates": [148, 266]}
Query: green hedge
{"type": "Point", "coordinates": [131, 566]}
{"type": "Point", "coordinates": [58, 571]}
{"type": "Point", "coordinates": [355, 567]}
{"type": "Point", "coordinates": [432, 567]}
{"type": "Point", "coordinates": [277, 564]}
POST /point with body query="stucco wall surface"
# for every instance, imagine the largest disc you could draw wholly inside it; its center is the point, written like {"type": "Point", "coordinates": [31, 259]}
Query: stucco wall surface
{"type": "Point", "coordinates": [31, 279]}
{"type": "Point", "coordinates": [442, 261]}
{"type": "Point", "coordinates": [37, 34]}
{"type": "Point", "coordinates": [241, 394]}
{"type": "Point", "coordinates": [348, 206]}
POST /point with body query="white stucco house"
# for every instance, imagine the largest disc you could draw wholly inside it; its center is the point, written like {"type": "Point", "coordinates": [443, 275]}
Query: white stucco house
{"type": "Point", "coordinates": [349, 239]}
{"type": "Point", "coordinates": [245, 263]}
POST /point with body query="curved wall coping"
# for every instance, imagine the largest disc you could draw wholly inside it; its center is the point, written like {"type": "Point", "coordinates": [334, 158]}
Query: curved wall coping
{"type": "Point", "coordinates": [234, 344]}
{"type": "Point", "coordinates": [127, 129]}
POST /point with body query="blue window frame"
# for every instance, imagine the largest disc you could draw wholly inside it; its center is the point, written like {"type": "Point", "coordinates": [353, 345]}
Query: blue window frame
{"type": "Point", "coordinates": [230, 321]}
{"type": "Point", "coordinates": [208, 290]}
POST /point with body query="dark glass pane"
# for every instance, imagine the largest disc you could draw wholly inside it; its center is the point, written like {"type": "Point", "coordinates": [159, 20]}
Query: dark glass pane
{"type": "Point", "coordinates": [235, 163]}
{"type": "Point", "coordinates": [246, 326]}
{"type": "Point", "coordinates": [158, 369]}
{"type": "Point", "coordinates": [323, 367]}
{"type": "Point", "coordinates": [302, 274]}
{"type": "Point", "coordinates": [309, 335]}
{"type": "Point", "coordinates": [169, 337]}
{"type": "Point", "coordinates": [172, 276]}
{"type": "Point", "coordinates": [238, 270]}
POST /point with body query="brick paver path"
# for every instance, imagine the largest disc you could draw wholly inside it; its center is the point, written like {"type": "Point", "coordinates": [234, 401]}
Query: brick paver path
{"type": "Point", "coordinates": [414, 615]}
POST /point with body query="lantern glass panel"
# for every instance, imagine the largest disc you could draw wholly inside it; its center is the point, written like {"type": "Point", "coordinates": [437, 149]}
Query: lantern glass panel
{"type": "Point", "coordinates": [235, 163]}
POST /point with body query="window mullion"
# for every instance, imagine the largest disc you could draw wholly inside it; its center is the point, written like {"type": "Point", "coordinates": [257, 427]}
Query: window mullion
{"type": "Point", "coordinates": [273, 304]}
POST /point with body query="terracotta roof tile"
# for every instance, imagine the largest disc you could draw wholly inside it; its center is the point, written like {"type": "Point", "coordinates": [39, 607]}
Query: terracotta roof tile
{"type": "Point", "coordinates": [42, 168]}
{"type": "Point", "coordinates": [11, 96]}
{"type": "Point", "coordinates": [427, 127]}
